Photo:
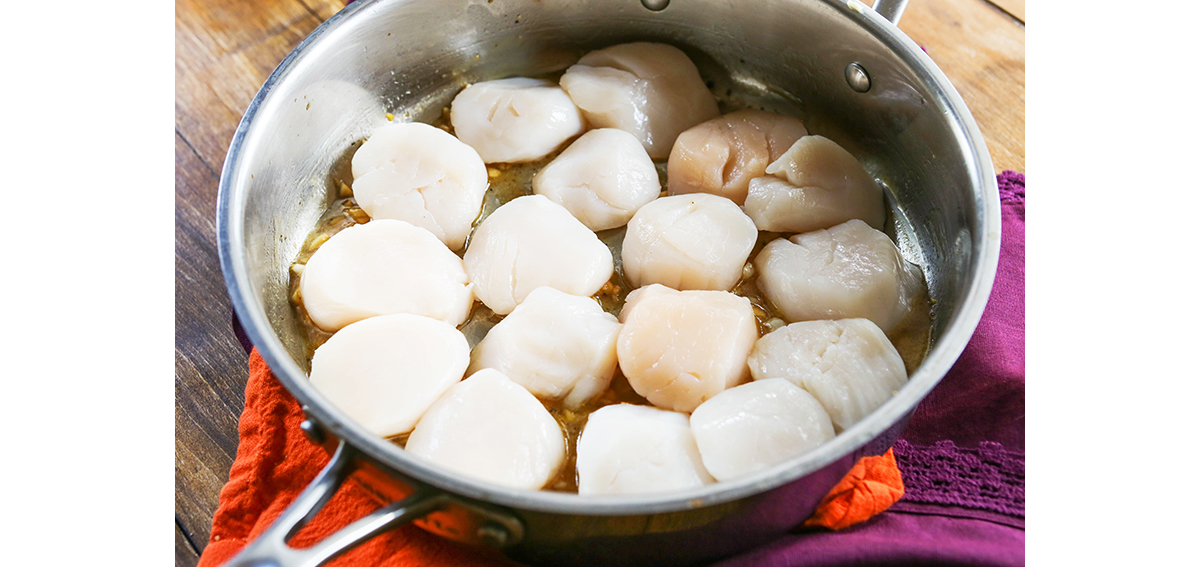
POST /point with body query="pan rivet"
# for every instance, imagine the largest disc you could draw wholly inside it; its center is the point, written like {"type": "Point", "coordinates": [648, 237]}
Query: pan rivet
{"type": "Point", "coordinates": [655, 5]}
{"type": "Point", "coordinates": [493, 533]}
{"type": "Point", "coordinates": [313, 432]}
{"type": "Point", "coordinates": [857, 78]}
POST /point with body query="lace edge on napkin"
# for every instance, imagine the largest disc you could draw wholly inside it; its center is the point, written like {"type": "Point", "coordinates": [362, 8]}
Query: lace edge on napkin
{"type": "Point", "coordinates": [1012, 187]}
{"type": "Point", "coordinates": [989, 479]}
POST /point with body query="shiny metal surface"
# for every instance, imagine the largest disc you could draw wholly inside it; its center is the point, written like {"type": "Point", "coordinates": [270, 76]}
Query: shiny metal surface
{"type": "Point", "coordinates": [271, 548]}
{"type": "Point", "coordinates": [911, 130]}
{"type": "Point", "coordinates": [857, 78]}
{"type": "Point", "coordinates": [891, 10]}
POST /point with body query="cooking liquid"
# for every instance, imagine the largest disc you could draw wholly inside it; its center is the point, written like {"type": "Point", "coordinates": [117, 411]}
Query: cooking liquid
{"type": "Point", "coordinates": [509, 181]}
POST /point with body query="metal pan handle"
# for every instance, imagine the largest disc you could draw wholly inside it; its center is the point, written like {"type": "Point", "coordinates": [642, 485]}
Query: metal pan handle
{"type": "Point", "coordinates": [890, 9]}
{"type": "Point", "coordinates": [270, 549]}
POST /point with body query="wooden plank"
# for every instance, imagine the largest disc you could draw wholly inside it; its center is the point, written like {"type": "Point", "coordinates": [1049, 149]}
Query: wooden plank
{"type": "Point", "coordinates": [981, 49]}
{"type": "Point", "coordinates": [210, 365]}
{"type": "Point", "coordinates": [224, 52]}
{"type": "Point", "coordinates": [185, 556]}
{"type": "Point", "coordinates": [324, 9]}
{"type": "Point", "coordinates": [1015, 8]}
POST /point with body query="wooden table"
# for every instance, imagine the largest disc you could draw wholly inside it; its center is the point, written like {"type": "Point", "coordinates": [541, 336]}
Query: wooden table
{"type": "Point", "coordinates": [225, 49]}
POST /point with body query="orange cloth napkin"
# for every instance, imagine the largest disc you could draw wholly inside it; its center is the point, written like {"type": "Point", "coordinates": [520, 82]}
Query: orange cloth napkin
{"type": "Point", "coordinates": [275, 462]}
{"type": "Point", "coordinates": [871, 486]}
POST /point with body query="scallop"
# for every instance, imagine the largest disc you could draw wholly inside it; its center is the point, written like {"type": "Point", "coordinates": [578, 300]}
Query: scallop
{"type": "Point", "coordinates": [515, 120]}
{"type": "Point", "coordinates": [756, 425]}
{"type": "Point", "coordinates": [558, 346]}
{"type": "Point", "coordinates": [420, 174]}
{"type": "Point", "coordinates": [688, 242]}
{"type": "Point", "coordinates": [384, 372]}
{"type": "Point", "coordinates": [383, 267]}
{"type": "Point", "coordinates": [629, 449]}
{"type": "Point", "coordinates": [488, 427]}
{"type": "Point", "coordinates": [679, 348]}
{"type": "Point", "coordinates": [650, 90]}
{"type": "Point", "coordinates": [816, 184]}
{"type": "Point", "coordinates": [603, 178]}
{"type": "Point", "coordinates": [531, 242]}
{"type": "Point", "coordinates": [849, 270]}
{"type": "Point", "coordinates": [849, 365]}
{"type": "Point", "coordinates": [722, 155]}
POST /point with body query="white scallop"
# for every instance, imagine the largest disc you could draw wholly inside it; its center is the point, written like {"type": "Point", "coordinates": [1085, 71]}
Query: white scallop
{"type": "Point", "coordinates": [679, 348]}
{"type": "Point", "coordinates": [815, 184]}
{"type": "Point", "coordinates": [722, 155]}
{"type": "Point", "coordinates": [753, 426]}
{"type": "Point", "coordinates": [384, 372]}
{"type": "Point", "coordinates": [849, 365]}
{"type": "Point", "coordinates": [420, 174]}
{"type": "Point", "coordinates": [382, 267]}
{"type": "Point", "coordinates": [650, 90]}
{"type": "Point", "coordinates": [849, 270]}
{"type": "Point", "coordinates": [628, 449]}
{"type": "Point", "coordinates": [603, 178]}
{"type": "Point", "coordinates": [531, 242]}
{"type": "Point", "coordinates": [515, 120]}
{"type": "Point", "coordinates": [489, 428]}
{"type": "Point", "coordinates": [558, 346]}
{"type": "Point", "coordinates": [696, 241]}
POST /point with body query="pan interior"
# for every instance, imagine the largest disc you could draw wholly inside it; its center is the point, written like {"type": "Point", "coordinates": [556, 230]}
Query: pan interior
{"type": "Point", "coordinates": [410, 58]}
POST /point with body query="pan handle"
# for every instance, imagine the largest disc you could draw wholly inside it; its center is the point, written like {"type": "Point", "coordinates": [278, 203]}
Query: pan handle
{"type": "Point", "coordinates": [270, 549]}
{"type": "Point", "coordinates": [890, 9]}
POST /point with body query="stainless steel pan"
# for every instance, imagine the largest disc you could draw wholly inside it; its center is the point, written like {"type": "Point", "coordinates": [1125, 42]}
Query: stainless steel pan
{"type": "Point", "coordinates": [844, 68]}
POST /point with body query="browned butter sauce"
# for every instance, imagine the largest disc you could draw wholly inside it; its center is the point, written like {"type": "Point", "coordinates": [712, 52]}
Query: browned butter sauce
{"type": "Point", "coordinates": [509, 181]}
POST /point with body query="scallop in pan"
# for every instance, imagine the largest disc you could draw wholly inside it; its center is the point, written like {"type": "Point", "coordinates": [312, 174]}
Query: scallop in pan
{"type": "Point", "coordinates": [384, 372]}
{"type": "Point", "coordinates": [686, 242]}
{"type": "Point", "coordinates": [557, 345]}
{"type": "Point", "coordinates": [629, 449]}
{"type": "Point", "coordinates": [421, 175]}
{"type": "Point", "coordinates": [531, 242]}
{"type": "Point", "coordinates": [490, 428]}
{"type": "Point", "coordinates": [722, 155]}
{"type": "Point", "coordinates": [515, 120]}
{"type": "Point", "coordinates": [383, 267]}
{"type": "Point", "coordinates": [651, 90]}
{"type": "Point", "coordinates": [849, 365]}
{"type": "Point", "coordinates": [756, 425]}
{"type": "Point", "coordinates": [679, 348]}
{"type": "Point", "coordinates": [815, 184]}
{"type": "Point", "coordinates": [849, 270]}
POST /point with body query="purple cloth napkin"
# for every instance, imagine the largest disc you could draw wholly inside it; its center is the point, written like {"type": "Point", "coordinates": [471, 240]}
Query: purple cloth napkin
{"type": "Point", "coordinates": [962, 456]}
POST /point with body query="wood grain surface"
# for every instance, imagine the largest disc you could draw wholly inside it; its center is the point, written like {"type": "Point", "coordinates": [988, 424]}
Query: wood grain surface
{"type": "Point", "coordinates": [225, 49]}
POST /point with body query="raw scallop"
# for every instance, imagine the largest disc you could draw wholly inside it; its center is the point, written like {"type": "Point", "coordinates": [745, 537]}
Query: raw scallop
{"type": "Point", "coordinates": [722, 155]}
{"type": "Point", "coordinates": [490, 428]}
{"type": "Point", "coordinates": [384, 372]}
{"type": "Point", "coordinates": [383, 267]}
{"type": "Point", "coordinates": [515, 120]}
{"type": "Point", "coordinates": [679, 348]}
{"type": "Point", "coordinates": [650, 90]}
{"type": "Point", "coordinates": [697, 241]}
{"type": "Point", "coordinates": [628, 449]}
{"type": "Point", "coordinates": [815, 184]}
{"type": "Point", "coordinates": [531, 242]}
{"type": "Point", "coordinates": [557, 345]}
{"type": "Point", "coordinates": [602, 178]}
{"type": "Point", "coordinates": [420, 174]}
{"type": "Point", "coordinates": [850, 270]}
{"type": "Point", "coordinates": [753, 426]}
{"type": "Point", "coordinates": [849, 365]}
